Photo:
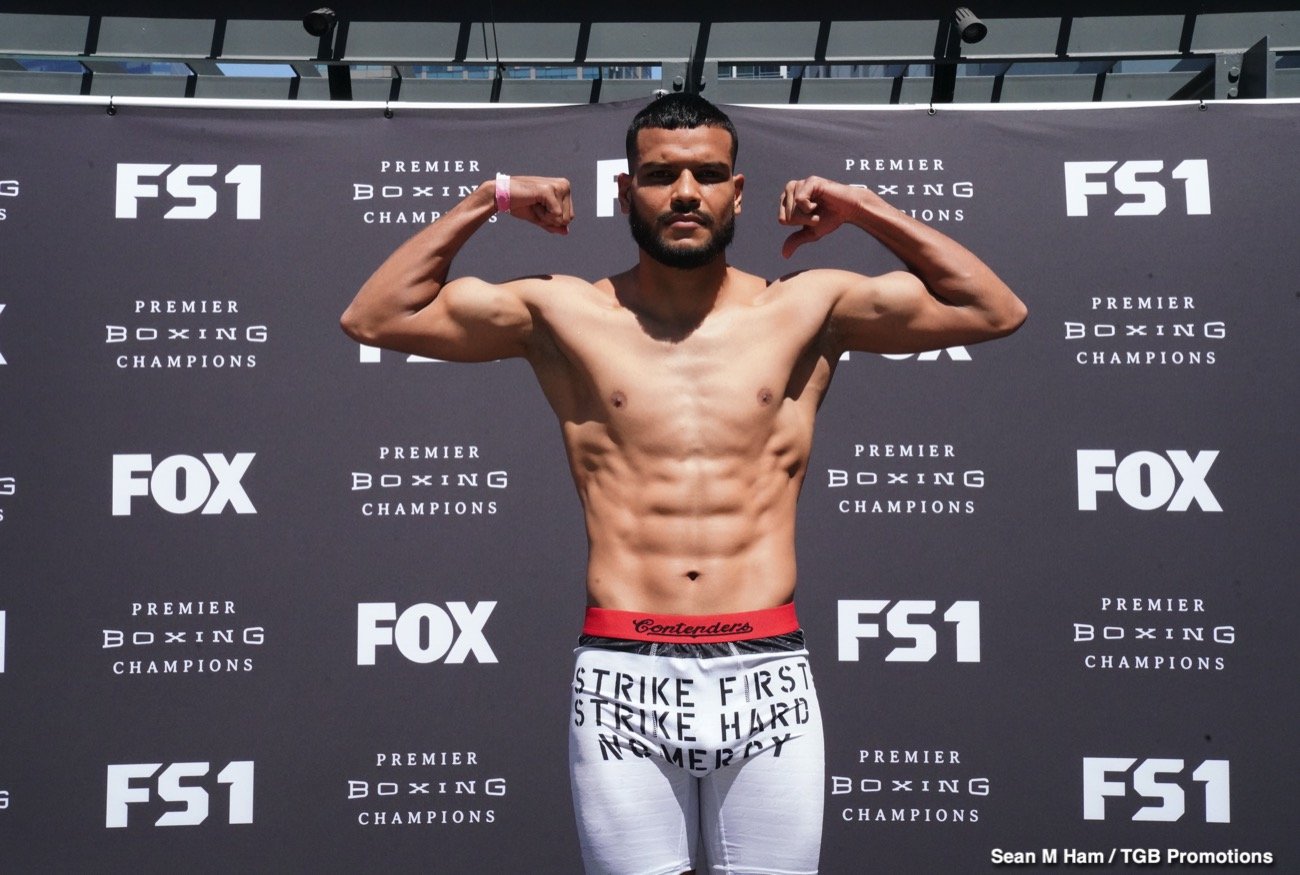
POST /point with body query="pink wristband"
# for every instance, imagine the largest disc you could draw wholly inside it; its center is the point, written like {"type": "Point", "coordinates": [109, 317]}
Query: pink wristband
{"type": "Point", "coordinates": [503, 193]}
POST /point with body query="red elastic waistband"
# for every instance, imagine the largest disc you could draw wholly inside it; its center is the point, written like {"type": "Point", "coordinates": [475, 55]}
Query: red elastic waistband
{"type": "Point", "coordinates": [690, 628]}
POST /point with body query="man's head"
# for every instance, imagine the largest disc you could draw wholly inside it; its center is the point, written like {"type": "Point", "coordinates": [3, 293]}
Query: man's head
{"type": "Point", "coordinates": [673, 112]}
{"type": "Point", "coordinates": [681, 194]}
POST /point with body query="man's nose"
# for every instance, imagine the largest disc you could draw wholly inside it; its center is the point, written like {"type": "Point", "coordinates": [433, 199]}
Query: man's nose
{"type": "Point", "coordinates": [686, 191]}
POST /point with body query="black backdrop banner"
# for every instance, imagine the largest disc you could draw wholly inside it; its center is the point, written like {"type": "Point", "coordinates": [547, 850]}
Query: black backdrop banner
{"type": "Point", "coordinates": [272, 601]}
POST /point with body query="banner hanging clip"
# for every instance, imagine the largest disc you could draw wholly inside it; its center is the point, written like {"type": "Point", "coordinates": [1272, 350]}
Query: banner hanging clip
{"type": "Point", "coordinates": [388, 112]}
{"type": "Point", "coordinates": [112, 110]}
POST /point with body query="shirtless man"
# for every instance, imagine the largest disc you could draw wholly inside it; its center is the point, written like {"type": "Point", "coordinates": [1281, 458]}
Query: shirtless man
{"type": "Point", "coordinates": [686, 392]}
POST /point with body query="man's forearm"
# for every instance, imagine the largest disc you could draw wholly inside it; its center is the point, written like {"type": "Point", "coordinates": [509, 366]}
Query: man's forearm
{"type": "Point", "coordinates": [412, 276]}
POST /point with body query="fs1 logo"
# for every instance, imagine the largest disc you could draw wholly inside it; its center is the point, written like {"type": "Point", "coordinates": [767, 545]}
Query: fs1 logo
{"type": "Point", "coordinates": [1084, 179]}
{"type": "Point", "coordinates": [238, 776]}
{"type": "Point", "coordinates": [607, 173]}
{"type": "Point", "coordinates": [964, 615]}
{"type": "Point", "coordinates": [424, 632]}
{"type": "Point", "coordinates": [1144, 780]}
{"type": "Point", "coordinates": [1146, 480]}
{"type": "Point", "coordinates": [182, 484]}
{"type": "Point", "coordinates": [372, 354]}
{"type": "Point", "coordinates": [181, 185]}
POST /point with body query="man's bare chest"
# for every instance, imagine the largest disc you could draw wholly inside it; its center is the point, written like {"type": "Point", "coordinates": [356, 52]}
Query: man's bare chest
{"type": "Point", "coordinates": [737, 370]}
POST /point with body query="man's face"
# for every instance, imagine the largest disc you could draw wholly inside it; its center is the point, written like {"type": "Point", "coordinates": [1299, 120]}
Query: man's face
{"type": "Point", "coordinates": [681, 197]}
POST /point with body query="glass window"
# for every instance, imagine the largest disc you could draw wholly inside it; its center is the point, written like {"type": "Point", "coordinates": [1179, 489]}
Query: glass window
{"type": "Point", "coordinates": [449, 71]}
{"type": "Point", "coordinates": [156, 68]}
{"type": "Point", "coordinates": [51, 65]}
{"type": "Point", "coordinates": [1059, 68]}
{"type": "Point", "coordinates": [267, 71]}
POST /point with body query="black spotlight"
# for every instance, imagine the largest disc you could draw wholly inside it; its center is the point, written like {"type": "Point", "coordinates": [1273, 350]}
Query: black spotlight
{"type": "Point", "coordinates": [318, 22]}
{"type": "Point", "coordinates": [972, 30]}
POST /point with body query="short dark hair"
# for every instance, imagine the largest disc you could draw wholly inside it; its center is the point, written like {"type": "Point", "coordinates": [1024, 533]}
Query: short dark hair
{"type": "Point", "coordinates": [678, 110]}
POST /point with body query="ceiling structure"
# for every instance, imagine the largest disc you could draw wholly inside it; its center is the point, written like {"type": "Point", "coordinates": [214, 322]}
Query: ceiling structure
{"type": "Point", "coordinates": [506, 51]}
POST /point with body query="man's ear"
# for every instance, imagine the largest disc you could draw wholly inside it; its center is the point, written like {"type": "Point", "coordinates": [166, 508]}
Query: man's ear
{"type": "Point", "coordinates": [739, 181]}
{"type": "Point", "coordinates": [624, 184]}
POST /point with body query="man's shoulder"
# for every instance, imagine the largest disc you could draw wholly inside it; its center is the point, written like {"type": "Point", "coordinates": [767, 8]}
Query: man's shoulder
{"type": "Point", "coordinates": [550, 280]}
{"type": "Point", "coordinates": [558, 299]}
{"type": "Point", "coordinates": [541, 287]}
{"type": "Point", "coordinates": [818, 277]}
{"type": "Point", "coordinates": [815, 284]}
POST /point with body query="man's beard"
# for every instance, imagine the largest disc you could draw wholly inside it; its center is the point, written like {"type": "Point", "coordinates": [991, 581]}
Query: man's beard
{"type": "Point", "coordinates": [683, 256]}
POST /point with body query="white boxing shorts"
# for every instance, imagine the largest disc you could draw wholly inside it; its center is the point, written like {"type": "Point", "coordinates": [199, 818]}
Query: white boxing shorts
{"type": "Point", "coordinates": [696, 743]}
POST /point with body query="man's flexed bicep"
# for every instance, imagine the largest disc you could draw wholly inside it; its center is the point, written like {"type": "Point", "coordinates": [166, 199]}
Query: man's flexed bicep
{"type": "Point", "coordinates": [469, 321]}
{"type": "Point", "coordinates": [895, 314]}
{"type": "Point", "coordinates": [409, 305]}
{"type": "Point", "coordinates": [947, 297]}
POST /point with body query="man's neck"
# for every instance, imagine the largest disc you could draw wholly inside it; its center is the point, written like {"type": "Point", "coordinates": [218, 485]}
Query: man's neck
{"type": "Point", "coordinates": [675, 297]}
